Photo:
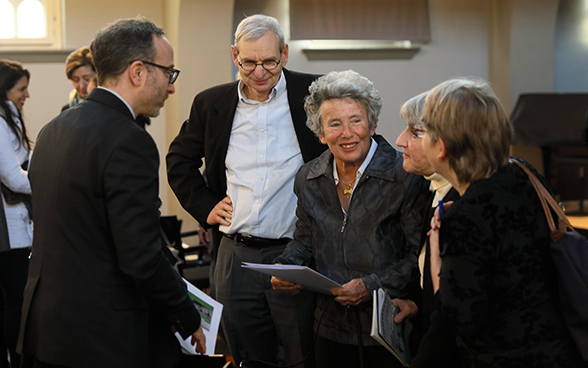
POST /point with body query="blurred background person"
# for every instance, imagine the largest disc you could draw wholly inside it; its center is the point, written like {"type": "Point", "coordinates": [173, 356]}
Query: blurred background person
{"type": "Point", "coordinates": [80, 70]}
{"type": "Point", "coordinates": [17, 233]}
{"type": "Point", "coordinates": [359, 220]}
{"type": "Point", "coordinates": [490, 258]}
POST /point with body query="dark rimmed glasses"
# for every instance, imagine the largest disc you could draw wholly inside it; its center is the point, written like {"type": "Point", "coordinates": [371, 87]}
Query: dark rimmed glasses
{"type": "Point", "coordinates": [173, 73]}
{"type": "Point", "coordinates": [268, 65]}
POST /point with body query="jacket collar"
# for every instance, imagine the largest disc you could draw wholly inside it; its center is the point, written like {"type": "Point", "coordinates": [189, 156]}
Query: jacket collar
{"type": "Point", "coordinates": [381, 166]}
{"type": "Point", "coordinates": [109, 99]}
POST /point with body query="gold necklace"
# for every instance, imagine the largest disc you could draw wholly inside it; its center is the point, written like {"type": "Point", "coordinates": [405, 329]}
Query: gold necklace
{"type": "Point", "coordinates": [349, 188]}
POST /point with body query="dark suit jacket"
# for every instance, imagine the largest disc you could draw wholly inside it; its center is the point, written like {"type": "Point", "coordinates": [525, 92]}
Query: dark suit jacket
{"type": "Point", "coordinates": [206, 135]}
{"type": "Point", "coordinates": [97, 267]}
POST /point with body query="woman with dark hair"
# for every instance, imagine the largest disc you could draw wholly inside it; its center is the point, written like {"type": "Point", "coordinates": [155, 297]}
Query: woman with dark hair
{"type": "Point", "coordinates": [16, 233]}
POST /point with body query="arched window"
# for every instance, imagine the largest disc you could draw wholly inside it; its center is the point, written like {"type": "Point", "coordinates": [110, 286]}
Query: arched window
{"type": "Point", "coordinates": [30, 24]}
{"type": "Point", "coordinates": [31, 19]}
{"type": "Point", "coordinates": [7, 28]}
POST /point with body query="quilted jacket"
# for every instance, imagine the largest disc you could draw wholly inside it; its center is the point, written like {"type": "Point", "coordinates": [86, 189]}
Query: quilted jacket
{"type": "Point", "coordinates": [378, 241]}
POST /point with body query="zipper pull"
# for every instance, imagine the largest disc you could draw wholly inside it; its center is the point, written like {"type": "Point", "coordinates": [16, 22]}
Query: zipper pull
{"type": "Point", "coordinates": [343, 226]}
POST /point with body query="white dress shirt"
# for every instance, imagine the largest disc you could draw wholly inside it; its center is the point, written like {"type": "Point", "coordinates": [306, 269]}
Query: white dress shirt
{"type": "Point", "coordinates": [262, 160]}
{"type": "Point", "coordinates": [13, 153]}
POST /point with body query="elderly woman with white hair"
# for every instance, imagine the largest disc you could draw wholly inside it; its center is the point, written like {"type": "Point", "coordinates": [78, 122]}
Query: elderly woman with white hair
{"type": "Point", "coordinates": [359, 218]}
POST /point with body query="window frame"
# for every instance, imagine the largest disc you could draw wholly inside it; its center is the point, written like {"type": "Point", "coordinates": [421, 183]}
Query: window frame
{"type": "Point", "coordinates": [54, 38]}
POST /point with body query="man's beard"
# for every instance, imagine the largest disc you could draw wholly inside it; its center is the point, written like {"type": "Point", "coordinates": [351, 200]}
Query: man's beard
{"type": "Point", "coordinates": [156, 98]}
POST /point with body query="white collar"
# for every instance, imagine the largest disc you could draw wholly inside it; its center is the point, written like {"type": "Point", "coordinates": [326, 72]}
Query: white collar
{"type": "Point", "coordinates": [364, 164]}
{"type": "Point", "coordinates": [276, 91]}
{"type": "Point", "coordinates": [440, 186]}
{"type": "Point", "coordinates": [12, 108]}
{"type": "Point", "coordinates": [121, 98]}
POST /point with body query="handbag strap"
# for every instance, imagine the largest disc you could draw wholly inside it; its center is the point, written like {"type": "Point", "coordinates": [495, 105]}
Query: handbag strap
{"type": "Point", "coordinates": [546, 198]}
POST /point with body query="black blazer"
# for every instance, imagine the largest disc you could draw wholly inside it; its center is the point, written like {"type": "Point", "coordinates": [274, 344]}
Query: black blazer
{"type": "Point", "coordinates": [206, 135]}
{"type": "Point", "coordinates": [97, 268]}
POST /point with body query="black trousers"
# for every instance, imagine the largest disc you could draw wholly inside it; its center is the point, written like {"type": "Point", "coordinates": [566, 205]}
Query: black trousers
{"type": "Point", "coordinates": [331, 354]}
{"type": "Point", "coordinates": [14, 269]}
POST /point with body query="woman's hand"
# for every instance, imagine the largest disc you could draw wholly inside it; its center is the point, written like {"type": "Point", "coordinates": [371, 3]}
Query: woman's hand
{"type": "Point", "coordinates": [352, 293]}
{"type": "Point", "coordinates": [284, 286]}
{"type": "Point", "coordinates": [408, 309]}
{"type": "Point", "coordinates": [434, 245]}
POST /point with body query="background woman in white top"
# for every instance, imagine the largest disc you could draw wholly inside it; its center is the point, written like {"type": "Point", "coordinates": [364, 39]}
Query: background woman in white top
{"type": "Point", "coordinates": [16, 234]}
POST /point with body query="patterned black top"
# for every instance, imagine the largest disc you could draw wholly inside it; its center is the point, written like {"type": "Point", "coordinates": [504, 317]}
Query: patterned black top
{"type": "Point", "coordinates": [498, 287]}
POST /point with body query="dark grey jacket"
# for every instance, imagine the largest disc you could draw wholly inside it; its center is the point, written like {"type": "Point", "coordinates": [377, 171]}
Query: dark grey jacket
{"type": "Point", "coordinates": [379, 241]}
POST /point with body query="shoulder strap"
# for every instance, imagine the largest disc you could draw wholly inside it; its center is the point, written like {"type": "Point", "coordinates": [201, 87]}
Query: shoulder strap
{"type": "Point", "coordinates": [546, 198]}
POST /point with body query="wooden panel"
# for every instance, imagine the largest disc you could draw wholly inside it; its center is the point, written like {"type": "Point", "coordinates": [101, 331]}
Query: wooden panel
{"type": "Point", "coordinates": [363, 20]}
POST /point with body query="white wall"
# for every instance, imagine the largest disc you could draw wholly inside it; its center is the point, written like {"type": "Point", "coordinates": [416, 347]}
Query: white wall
{"type": "Point", "coordinates": [463, 32]}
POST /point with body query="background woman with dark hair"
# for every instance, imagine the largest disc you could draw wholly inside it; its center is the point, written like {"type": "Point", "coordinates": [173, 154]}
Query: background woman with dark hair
{"type": "Point", "coordinates": [16, 233]}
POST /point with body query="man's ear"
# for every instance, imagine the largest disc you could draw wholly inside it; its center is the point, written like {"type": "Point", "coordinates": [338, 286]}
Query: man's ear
{"type": "Point", "coordinates": [235, 55]}
{"type": "Point", "coordinates": [136, 72]}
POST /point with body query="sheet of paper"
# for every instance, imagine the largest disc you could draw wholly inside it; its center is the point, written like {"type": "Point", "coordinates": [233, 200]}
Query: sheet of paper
{"type": "Point", "coordinates": [210, 314]}
{"type": "Point", "coordinates": [302, 275]}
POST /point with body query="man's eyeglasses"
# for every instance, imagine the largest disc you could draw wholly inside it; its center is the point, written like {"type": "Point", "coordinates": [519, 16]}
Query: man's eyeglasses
{"type": "Point", "coordinates": [268, 65]}
{"type": "Point", "coordinates": [173, 73]}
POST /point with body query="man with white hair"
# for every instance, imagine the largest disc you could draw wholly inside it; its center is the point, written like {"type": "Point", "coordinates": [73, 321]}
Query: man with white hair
{"type": "Point", "coordinates": [252, 135]}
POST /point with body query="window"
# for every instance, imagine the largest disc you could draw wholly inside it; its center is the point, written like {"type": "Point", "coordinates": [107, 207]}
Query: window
{"type": "Point", "coordinates": [30, 24]}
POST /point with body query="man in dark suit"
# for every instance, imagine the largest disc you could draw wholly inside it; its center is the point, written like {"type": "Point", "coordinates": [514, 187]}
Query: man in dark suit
{"type": "Point", "coordinates": [253, 138]}
{"type": "Point", "coordinates": [99, 283]}
{"type": "Point", "coordinates": [440, 344]}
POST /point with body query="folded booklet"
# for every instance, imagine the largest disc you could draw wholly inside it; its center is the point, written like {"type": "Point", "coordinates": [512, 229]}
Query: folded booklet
{"type": "Point", "coordinates": [392, 336]}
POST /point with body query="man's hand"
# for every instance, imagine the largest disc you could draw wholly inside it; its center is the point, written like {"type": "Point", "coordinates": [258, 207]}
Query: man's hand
{"type": "Point", "coordinates": [408, 309]}
{"type": "Point", "coordinates": [352, 293]}
{"type": "Point", "coordinates": [284, 286]}
{"type": "Point", "coordinates": [199, 339]}
{"type": "Point", "coordinates": [221, 213]}
{"type": "Point", "coordinates": [203, 236]}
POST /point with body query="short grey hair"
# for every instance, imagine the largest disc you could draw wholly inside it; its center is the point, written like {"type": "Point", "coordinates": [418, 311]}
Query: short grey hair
{"type": "Point", "coordinates": [412, 110]}
{"type": "Point", "coordinates": [255, 26]}
{"type": "Point", "coordinates": [341, 85]}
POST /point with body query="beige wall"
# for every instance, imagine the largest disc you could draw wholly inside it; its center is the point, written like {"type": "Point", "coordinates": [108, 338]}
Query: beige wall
{"type": "Point", "coordinates": [509, 42]}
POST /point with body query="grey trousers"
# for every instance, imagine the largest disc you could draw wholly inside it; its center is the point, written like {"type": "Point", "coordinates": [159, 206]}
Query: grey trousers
{"type": "Point", "coordinates": [256, 319]}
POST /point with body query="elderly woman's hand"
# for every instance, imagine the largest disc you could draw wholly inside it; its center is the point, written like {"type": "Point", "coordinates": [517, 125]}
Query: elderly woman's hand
{"type": "Point", "coordinates": [408, 309]}
{"type": "Point", "coordinates": [284, 286]}
{"type": "Point", "coordinates": [434, 245]}
{"type": "Point", "coordinates": [352, 293]}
